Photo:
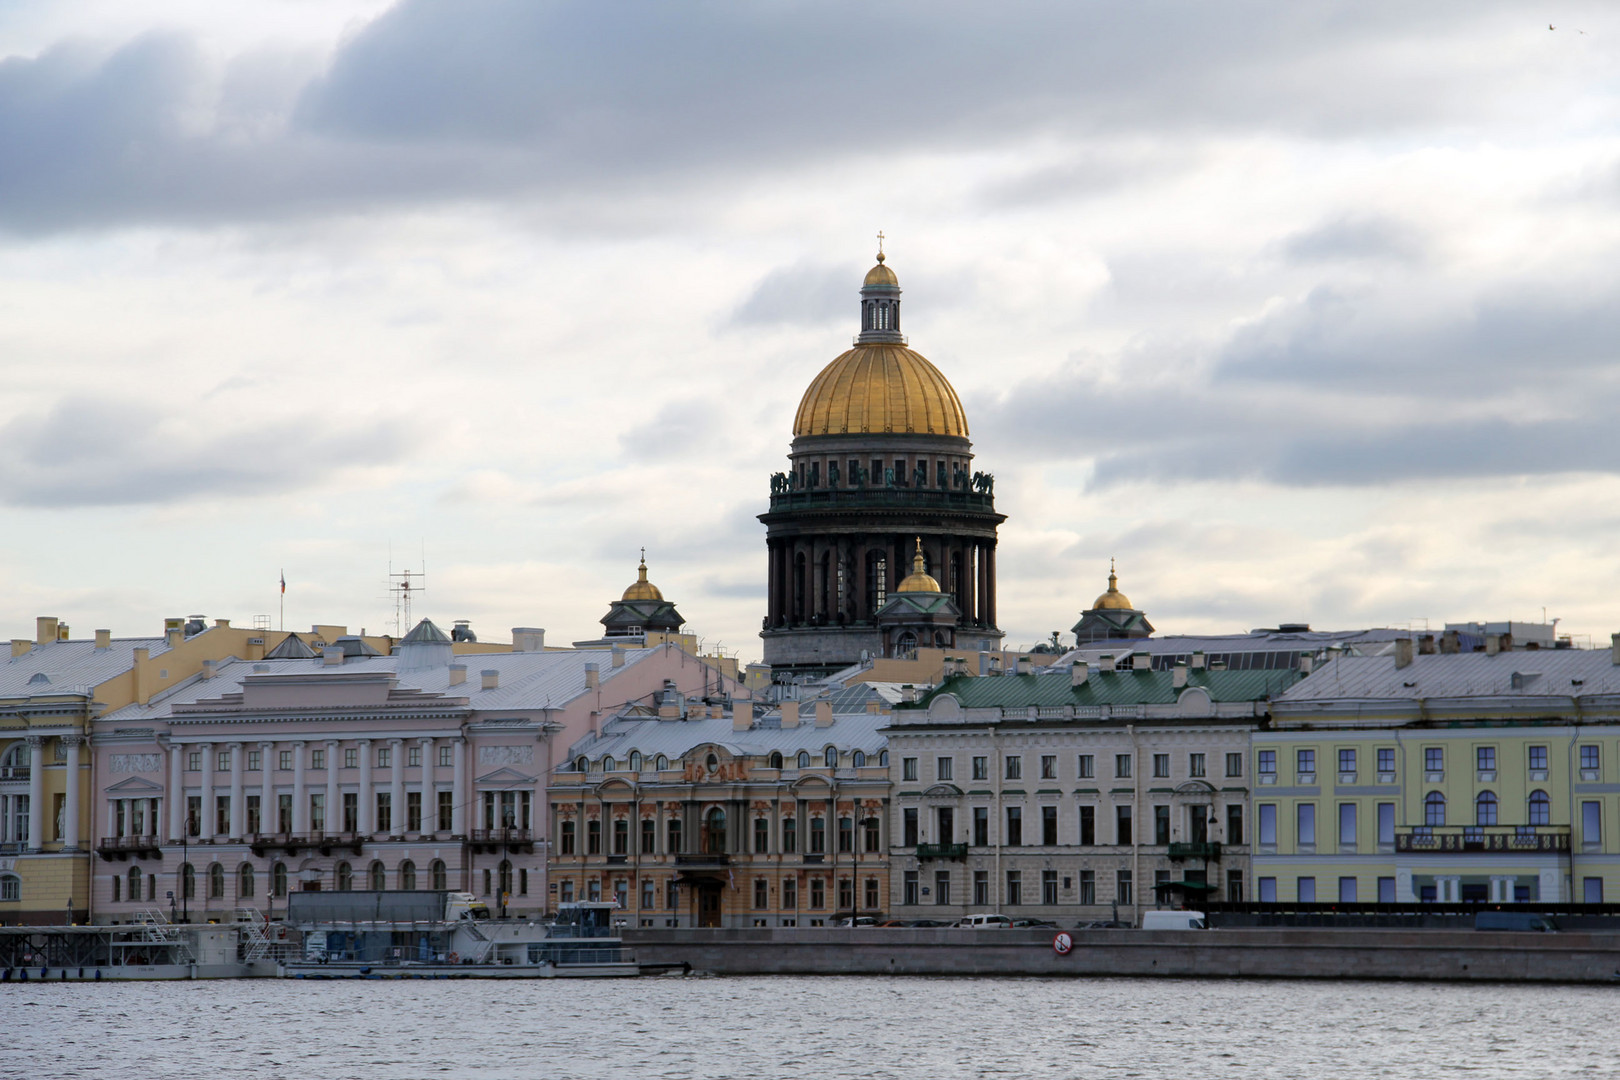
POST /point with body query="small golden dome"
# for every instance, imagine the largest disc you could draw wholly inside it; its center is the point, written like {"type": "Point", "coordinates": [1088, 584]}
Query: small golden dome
{"type": "Point", "coordinates": [880, 275]}
{"type": "Point", "coordinates": [642, 589]}
{"type": "Point", "coordinates": [878, 388]}
{"type": "Point", "coordinates": [1113, 599]}
{"type": "Point", "coordinates": [919, 580]}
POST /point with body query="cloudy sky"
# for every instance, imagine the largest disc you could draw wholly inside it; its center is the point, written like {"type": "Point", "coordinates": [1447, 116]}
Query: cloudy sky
{"type": "Point", "coordinates": [1304, 312]}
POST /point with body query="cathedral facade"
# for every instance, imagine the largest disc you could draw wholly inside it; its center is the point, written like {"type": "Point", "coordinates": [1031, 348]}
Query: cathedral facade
{"type": "Point", "coordinates": [880, 487]}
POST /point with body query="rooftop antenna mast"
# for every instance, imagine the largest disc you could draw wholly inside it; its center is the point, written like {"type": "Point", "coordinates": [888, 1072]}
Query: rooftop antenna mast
{"type": "Point", "coordinates": [406, 585]}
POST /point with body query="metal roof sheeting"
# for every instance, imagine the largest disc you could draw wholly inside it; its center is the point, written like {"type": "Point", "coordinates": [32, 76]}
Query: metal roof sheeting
{"type": "Point", "coordinates": [72, 666]}
{"type": "Point", "coordinates": [1109, 688]}
{"type": "Point", "coordinates": [1517, 673]}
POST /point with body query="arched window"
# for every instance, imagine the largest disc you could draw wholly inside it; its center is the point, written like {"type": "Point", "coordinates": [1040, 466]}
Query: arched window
{"type": "Point", "coordinates": [582, 765]}
{"type": "Point", "coordinates": [776, 759]}
{"type": "Point", "coordinates": [609, 765]}
{"type": "Point", "coordinates": [216, 882]}
{"type": "Point", "coordinates": [804, 759]}
{"type": "Point", "coordinates": [345, 877]}
{"type": "Point", "coordinates": [10, 887]}
{"type": "Point", "coordinates": [661, 763]}
{"type": "Point", "coordinates": [1540, 808]}
{"type": "Point", "coordinates": [858, 759]}
{"type": "Point", "coordinates": [407, 875]}
{"type": "Point", "coordinates": [278, 879]}
{"type": "Point", "coordinates": [712, 762]}
{"type": "Point", "coordinates": [1434, 809]}
{"type": "Point", "coordinates": [905, 646]}
{"type": "Point", "coordinates": [883, 758]}
{"type": "Point", "coordinates": [245, 885]}
{"type": "Point", "coordinates": [1485, 809]}
{"type": "Point", "coordinates": [714, 831]}
{"type": "Point", "coordinates": [437, 876]}
{"type": "Point", "coordinates": [134, 883]}
{"type": "Point", "coordinates": [188, 881]}
{"type": "Point", "coordinates": [635, 761]}
{"type": "Point", "coordinates": [379, 877]}
{"type": "Point", "coordinates": [830, 757]}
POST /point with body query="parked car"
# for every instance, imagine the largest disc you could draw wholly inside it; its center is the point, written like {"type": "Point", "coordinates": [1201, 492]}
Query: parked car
{"type": "Point", "coordinates": [1104, 924]}
{"type": "Point", "coordinates": [1173, 920]}
{"type": "Point", "coordinates": [984, 922]}
{"type": "Point", "coordinates": [858, 921]}
{"type": "Point", "coordinates": [1514, 920]}
{"type": "Point", "coordinates": [1033, 924]}
{"type": "Point", "coordinates": [929, 922]}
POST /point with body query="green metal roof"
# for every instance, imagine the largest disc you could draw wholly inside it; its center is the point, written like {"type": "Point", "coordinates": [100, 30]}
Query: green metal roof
{"type": "Point", "coordinates": [1108, 688]}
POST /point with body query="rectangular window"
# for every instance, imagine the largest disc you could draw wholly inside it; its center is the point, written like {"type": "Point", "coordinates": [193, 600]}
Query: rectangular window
{"type": "Point", "coordinates": [351, 758]}
{"type": "Point", "coordinates": [762, 836]}
{"type": "Point", "coordinates": [790, 835]}
{"type": "Point", "coordinates": [1434, 759]}
{"type": "Point", "coordinates": [1122, 886]}
{"type": "Point", "coordinates": [447, 756]}
{"type": "Point", "coordinates": [1015, 767]}
{"type": "Point", "coordinates": [566, 892]}
{"type": "Point", "coordinates": [818, 893]}
{"type": "Point", "coordinates": [1589, 757]}
{"type": "Point", "coordinates": [385, 812]}
{"type": "Point", "coordinates": [981, 887]}
{"type": "Point", "coordinates": [1347, 890]}
{"type": "Point", "coordinates": [1048, 766]}
{"type": "Point", "coordinates": [818, 836]}
{"type": "Point", "coordinates": [1195, 764]}
{"type": "Point", "coordinates": [317, 759]}
{"type": "Point", "coordinates": [1592, 890]}
{"type": "Point", "coordinates": [1347, 761]}
{"type": "Point", "coordinates": [908, 768]}
{"type": "Point", "coordinates": [1049, 825]}
{"type": "Point", "coordinates": [1538, 757]}
{"type": "Point", "coordinates": [223, 763]}
{"type": "Point", "coordinates": [1485, 759]}
{"type": "Point", "coordinates": [1268, 823]}
{"type": "Point", "coordinates": [846, 835]}
{"type": "Point", "coordinates": [1347, 825]}
{"type": "Point", "coordinates": [593, 837]}
{"type": "Point", "coordinates": [1386, 759]}
{"type": "Point", "coordinates": [673, 837]}
{"type": "Point", "coordinates": [790, 894]}
{"type": "Point", "coordinates": [413, 757]}
{"type": "Point", "coordinates": [1234, 823]}
{"type": "Point", "coordinates": [1088, 886]}
{"type": "Point", "coordinates": [1015, 826]}
{"type": "Point", "coordinates": [255, 815]}
{"type": "Point", "coordinates": [649, 836]}
{"type": "Point", "coordinates": [762, 893]}
{"type": "Point", "coordinates": [413, 811]}
{"type": "Point", "coordinates": [1087, 768]}
{"type": "Point", "coordinates": [649, 894]}
{"type": "Point", "coordinates": [1266, 763]}
{"type": "Point", "coordinates": [1234, 764]}
{"type": "Point", "coordinates": [284, 760]}
{"type": "Point", "coordinates": [385, 757]}
{"type": "Point", "coordinates": [1122, 766]}
{"type": "Point", "coordinates": [621, 836]}
{"type": "Point", "coordinates": [1386, 890]}
{"type": "Point", "coordinates": [1161, 766]}
{"type": "Point", "coordinates": [981, 768]}
{"type": "Point", "coordinates": [908, 827]}
{"type": "Point", "coordinates": [909, 888]}
{"type": "Point", "coordinates": [1266, 890]}
{"type": "Point", "coordinates": [222, 815]}
{"type": "Point", "coordinates": [1591, 824]}
{"type": "Point", "coordinates": [1088, 826]}
{"type": "Point", "coordinates": [1306, 823]}
{"type": "Point", "coordinates": [194, 761]}
{"type": "Point", "coordinates": [945, 825]}
{"type": "Point", "coordinates": [351, 811]}
{"type": "Point", "coordinates": [942, 886]}
{"type": "Point", "coordinates": [1386, 824]}
{"type": "Point", "coordinates": [945, 768]}
{"type": "Point", "coordinates": [1307, 890]}
{"type": "Point", "coordinates": [1305, 762]}
{"type": "Point", "coordinates": [1161, 825]}
{"type": "Point", "coordinates": [566, 840]}
{"type": "Point", "coordinates": [1015, 888]}
{"type": "Point", "coordinates": [1122, 825]}
{"type": "Point", "coordinates": [284, 814]}
{"type": "Point", "coordinates": [1049, 895]}
{"type": "Point", "coordinates": [255, 760]}
{"type": "Point", "coordinates": [317, 812]}
{"type": "Point", "coordinates": [981, 826]}
{"type": "Point", "coordinates": [447, 810]}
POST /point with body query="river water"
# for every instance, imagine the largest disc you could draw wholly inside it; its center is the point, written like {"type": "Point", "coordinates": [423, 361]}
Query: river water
{"type": "Point", "coordinates": [825, 1028]}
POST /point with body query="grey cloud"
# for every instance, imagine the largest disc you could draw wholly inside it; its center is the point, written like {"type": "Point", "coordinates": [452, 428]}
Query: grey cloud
{"type": "Point", "coordinates": [451, 102]}
{"type": "Point", "coordinates": [1350, 237]}
{"type": "Point", "coordinates": [99, 452]}
{"type": "Point", "coordinates": [802, 294]}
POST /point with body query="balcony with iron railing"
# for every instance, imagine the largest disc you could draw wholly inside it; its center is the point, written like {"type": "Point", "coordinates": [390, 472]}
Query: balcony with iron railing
{"type": "Point", "coordinates": [15, 772]}
{"type": "Point", "coordinates": [942, 851]}
{"type": "Point", "coordinates": [508, 839]}
{"type": "Point", "coordinates": [1481, 839]}
{"type": "Point", "coordinates": [877, 498]}
{"type": "Point", "coordinates": [1200, 849]}
{"type": "Point", "coordinates": [110, 847]}
{"type": "Point", "coordinates": [292, 843]}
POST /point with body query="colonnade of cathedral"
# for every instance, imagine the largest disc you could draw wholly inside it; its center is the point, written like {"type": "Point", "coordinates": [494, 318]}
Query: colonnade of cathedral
{"type": "Point", "coordinates": [844, 580]}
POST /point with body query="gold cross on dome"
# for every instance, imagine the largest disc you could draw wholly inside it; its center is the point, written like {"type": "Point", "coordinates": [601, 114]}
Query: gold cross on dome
{"type": "Point", "coordinates": [880, 241]}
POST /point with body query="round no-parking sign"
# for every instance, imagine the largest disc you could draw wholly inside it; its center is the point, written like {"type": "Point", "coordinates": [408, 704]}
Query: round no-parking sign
{"type": "Point", "coordinates": [1062, 943]}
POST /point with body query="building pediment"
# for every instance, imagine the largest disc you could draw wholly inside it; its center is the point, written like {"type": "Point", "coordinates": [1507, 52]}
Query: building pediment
{"type": "Point", "coordinates": [135, 786]}
{"type": "Point", "coordinates": [942, 791]}
{"type": "Point", "coordinates": [506, 777]}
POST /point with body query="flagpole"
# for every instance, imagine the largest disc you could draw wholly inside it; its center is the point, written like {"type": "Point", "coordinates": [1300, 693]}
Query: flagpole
{"type": "Point", "coordinates": [283, 618]}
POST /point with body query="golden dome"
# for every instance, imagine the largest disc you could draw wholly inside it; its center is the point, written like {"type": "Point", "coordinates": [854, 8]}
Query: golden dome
{"type": "Point", "coordinates": [880, 275]}
{"type": "Point", "coordinates": [919, 580]}
{"type": "Point", "coordinates": [642, 589]}
{"type": "Point", "coordinates": [1113, 599]}
{"type": "Point", "coordinates": [878, 388]}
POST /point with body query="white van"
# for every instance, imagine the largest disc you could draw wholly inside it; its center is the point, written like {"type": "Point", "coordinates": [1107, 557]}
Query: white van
{"type": "Point", "coordinates": [984, 922]}
{"type": "Point", "coordinates": [1173, 920]}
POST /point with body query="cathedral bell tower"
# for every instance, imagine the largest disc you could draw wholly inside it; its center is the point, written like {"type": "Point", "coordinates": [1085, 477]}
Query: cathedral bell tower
{"type": "Point", "coordinates": [880, 481]}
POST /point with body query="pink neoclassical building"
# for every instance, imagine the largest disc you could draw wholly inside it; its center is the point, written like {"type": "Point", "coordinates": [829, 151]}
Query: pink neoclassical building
{"type": "Point", "coordinates": [351, 770]}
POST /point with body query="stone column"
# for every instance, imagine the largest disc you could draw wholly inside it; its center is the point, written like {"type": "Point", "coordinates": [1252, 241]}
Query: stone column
{"type": "Point", "coordinates": [177, 793]}
{"type": "Point", "coordinates": [429, 826]}
{"type": "Point", "coordinates": [36, 792]}
{"type": "Point", "coordinates": [300, 817]}
{"type": "Point", "coordinates": [205, 827]}
{"type": "Point", "coordinates": [267, 788]}
{"type": "Point", "coordinates": [70, 823]}
{"type": "Point", "coordinates": [396, 788]}
{"type": "Point", "coordinates": [334, 801]}
{"type": "Point", "coordinates": [367, 799]}
{"type": "Point", "coordinates": [458, 798]}
{"type": "Point", "coordinates": [238, 801]}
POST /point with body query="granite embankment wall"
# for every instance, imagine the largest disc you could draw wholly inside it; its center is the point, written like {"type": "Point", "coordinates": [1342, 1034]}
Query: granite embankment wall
{"type": "Point", "coordinates": [1261, 953]}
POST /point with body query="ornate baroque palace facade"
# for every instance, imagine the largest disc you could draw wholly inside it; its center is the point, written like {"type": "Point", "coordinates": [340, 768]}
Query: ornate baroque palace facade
{"type": "Point", "coordinates": [880, 469]}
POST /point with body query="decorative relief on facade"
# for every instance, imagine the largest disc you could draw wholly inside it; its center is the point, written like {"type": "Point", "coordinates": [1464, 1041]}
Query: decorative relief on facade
{"type": "Point", "coordinates": [135, 763]}
{"type": "Point", "coordinates": [506, 755]}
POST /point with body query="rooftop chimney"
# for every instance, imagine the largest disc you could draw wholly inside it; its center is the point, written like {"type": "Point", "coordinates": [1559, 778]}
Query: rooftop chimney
{"type": "Point", "coordinates": [225, 624]}
{"type": "Point", "coordinates": [1614, 648]}
{"type": "Point", "coordinates": [593, 676]}
{"type": "Point", "coordinates": [1426, 645]}
{"type": "Point", "coordinates": [1079, 673]}
{"type": "Point", "coordinates": [1307, 663]}
{"type": "Point", "coordinates": [1198, 660]}
{"type": "Point", "coordinates": [1178, 676]}
{"type": "Point", "coordinates": [208, 669]}
{"type": "Point", "coordinates": [1493, 644]}
{"type": "Point", "coordinates": [490, 678]}
{"type": "Point", "coordinates": [1449, 643]}
{"type": "Point", "coordinates": [103, 639]}
{"type": "Point", "coordinates": [618, 656]}
{"type": "Point", "coordinates": [984, 663]}
{"type": "Point", "coordinates": [1403, 652]}
{"type": "Point", "coordinates": [742, 716]}
{"type": "Point", "coordinates": [1106, 662]}
{"type": "Point", "coordinates": [45, 629]}
{"type": "Point", "coordinates": [331, 656]}
{"type": "Point", "coordinates": [528, 639]}
{"type": "Point", "coordinates": [823, 714]}
{"type": "Point", "coordinates": [458, 674]}
{"type": "Point", "coordinates": [790, 714]}
{"type": "Point", "coordinates": [19, 646]}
